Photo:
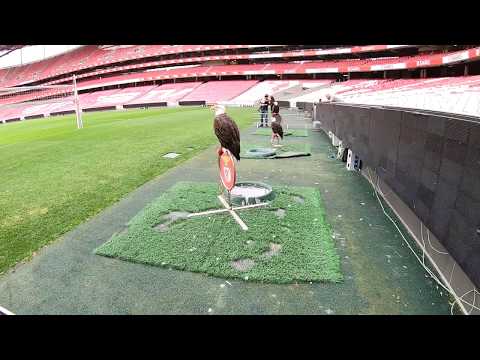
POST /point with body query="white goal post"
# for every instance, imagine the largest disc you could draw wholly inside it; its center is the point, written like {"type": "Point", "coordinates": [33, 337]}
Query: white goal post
{"type": "Point", "coordinates": [30, 102]}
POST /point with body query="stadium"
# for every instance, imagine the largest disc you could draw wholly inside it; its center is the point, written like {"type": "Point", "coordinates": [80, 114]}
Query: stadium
{"type": "Point", "coordinates": [114, 198]}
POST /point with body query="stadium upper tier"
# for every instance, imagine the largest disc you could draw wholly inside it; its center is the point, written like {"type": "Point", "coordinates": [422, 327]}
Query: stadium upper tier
{"type": "Point", "coordinates": [103, 60]}
{"type": "Point", "coordinates": [306, 68]}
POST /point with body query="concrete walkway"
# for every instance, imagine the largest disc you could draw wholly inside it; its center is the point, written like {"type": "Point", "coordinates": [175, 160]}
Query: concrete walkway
{"type": "Point", "coordinates": [381, 275]}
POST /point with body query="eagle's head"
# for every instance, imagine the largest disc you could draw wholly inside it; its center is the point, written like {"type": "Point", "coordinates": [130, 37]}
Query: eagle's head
{"type": "Point", "coordinates": [219, 109]}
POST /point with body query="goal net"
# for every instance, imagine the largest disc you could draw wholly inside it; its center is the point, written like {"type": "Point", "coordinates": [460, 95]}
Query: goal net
{"type": "Point", "coordinates": [31, 102]}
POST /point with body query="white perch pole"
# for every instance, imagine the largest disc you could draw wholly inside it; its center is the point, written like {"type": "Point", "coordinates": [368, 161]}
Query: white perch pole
{"type": "Point", "coordinates": [224, 210]}
{"type": "Point", "coordinates": [5, 311]}
{"type": "Point", "coordinates": [233, 213]}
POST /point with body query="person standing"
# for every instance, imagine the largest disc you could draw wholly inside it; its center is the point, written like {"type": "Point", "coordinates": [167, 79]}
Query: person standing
{"type": "Point", "coordinates": [271, 102]}
{"type": "Point", "coordinates": [275, 108]}
{"type": "Point", "coordinates": [264, 103]}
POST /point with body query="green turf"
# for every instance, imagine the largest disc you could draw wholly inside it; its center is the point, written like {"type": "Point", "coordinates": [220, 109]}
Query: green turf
{"type": "Point", "coordinates": [287, 150]}
{"type": "Point", "coordinates": [54, 177]}
{"type": "Point", "coordinates": [209, 244]}
{"type": "Point", "coordinates": [290, 132]}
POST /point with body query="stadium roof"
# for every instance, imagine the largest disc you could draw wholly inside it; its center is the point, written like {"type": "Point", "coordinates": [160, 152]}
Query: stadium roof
{"type": "Point", "coordinates": [7, 49]}
{"type": "Point", "coordinates": [15, 55]}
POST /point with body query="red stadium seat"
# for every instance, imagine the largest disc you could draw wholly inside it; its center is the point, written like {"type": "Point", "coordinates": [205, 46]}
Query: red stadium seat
{"type": "Point", "coordinates": [214, 91]}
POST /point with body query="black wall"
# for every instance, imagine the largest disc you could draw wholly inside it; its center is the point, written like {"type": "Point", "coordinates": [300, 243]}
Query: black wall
{"type": "Point", "coordinates": [145, 105]}
{"type": "Point", "coordinates": [101, 108]}
{"type": "Point", "coordinates": [432, 162]}
{"type": "Point", "coordinates": [284, 104]}
{"type": "Point", "coordinates": [307, 106]}
{"type": "Point", "coordinates": [191, 103]}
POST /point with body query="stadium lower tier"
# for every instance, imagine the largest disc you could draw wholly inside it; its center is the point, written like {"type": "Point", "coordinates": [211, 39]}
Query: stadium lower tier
{"type": "Point", "coordinates": [459, 95]}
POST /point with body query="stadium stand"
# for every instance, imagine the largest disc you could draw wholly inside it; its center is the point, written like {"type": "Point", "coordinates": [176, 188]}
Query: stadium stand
{"type": "Point", "coordinates": [317, 94]}
{"type": "Point", "coordinates": [458, 95]}
{"type": "Point", "coordinates": [277, 88]}
{"type": "Point", "coordinates": [66, 106]}
{"type": "Point", "coordinates": [252, 95]}
{"type": "Point", "coordinates": [94, 57]}
{"type": "Point", "coordinates": [309, 84]}
{"type": "Point", "coordinates": [115, 97]}
{"type": "Point", "coordinates": [214, 91]}
{"type": "Point", "coordinates": [455, 95]}
{"type": "Point", "coordinates": [167, 93]}
{"type": "Point", "coordinates": [10, 114]}
{"type": "Point", "coordinates": [104, 67]}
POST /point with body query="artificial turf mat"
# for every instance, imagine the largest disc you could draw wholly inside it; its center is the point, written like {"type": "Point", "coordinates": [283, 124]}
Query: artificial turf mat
{"type": "Point", "coordinates": [293, 244]}
{"type": "Point", "coordinates": [290, 132]}
{"type": "Point", "coordinates": [285, 151]}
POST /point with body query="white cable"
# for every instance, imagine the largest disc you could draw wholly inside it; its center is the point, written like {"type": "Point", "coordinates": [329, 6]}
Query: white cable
{"type": "Point", "coordinates": [423, 241]}
{"type": "Point", "coordinates": [432, 275]}
{"type": "Point", "coordinates": [451, 273]}
{"type": "Point", "coordinates": [425, 267]}
{"type": "Point", "coordinates": [438, 251]}
{"type": "Point", "coordinates": [474, 292]}
{"type": "Point", "coordinates": [428, 239]}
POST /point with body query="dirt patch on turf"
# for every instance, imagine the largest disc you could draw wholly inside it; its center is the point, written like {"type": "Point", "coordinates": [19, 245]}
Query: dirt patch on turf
{"type": "Point", "coordinates": [280, 213]}
{"type": "Point", "coordinates": [243, 264]}
{"type": "Point", "coordinates": [169, 219]}
{"type": "Point", "coordinates": [299, 199]}
{"type": "Point", "coordinates": [274, 250]}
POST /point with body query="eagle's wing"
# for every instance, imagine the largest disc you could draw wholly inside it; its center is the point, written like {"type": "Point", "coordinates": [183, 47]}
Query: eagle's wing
{"type": "Point", "coordinates": [228, 134]}
{"type": "Point", "coordinates": [280, 131]}
{"type": "Point", "coordinates": [277, 129]}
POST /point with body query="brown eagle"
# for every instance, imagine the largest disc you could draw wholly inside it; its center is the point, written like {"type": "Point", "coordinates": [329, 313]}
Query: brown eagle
{"type": "Point", "coordinates": [277, 130]}
{"type": "Point", "coordinates": [226, 131]}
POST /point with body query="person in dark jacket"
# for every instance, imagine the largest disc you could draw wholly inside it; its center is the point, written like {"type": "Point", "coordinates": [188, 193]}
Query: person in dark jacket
{"type": "Point", "coordinates": [271, 102]}
{"type": "Point", "coordinates": [275, 109]}
{"type": "Point", "coordinates": [264, 111]}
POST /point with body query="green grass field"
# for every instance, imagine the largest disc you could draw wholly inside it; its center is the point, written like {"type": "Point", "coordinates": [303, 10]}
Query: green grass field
{"type": "Point", "coordinates": [54, 177]}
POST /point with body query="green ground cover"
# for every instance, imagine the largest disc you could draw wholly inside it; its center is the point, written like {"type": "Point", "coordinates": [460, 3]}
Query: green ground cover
{"type": "Point", "coordinates": [277, 248]}
{"type": "Point", "coordinates": [289, 132]}
{"type": "Point", "coordinates": [267, 151]}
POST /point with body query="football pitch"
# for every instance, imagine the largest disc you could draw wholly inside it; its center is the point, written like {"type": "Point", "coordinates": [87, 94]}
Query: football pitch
{"type": "Point", "coordinates": [54, 176]}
